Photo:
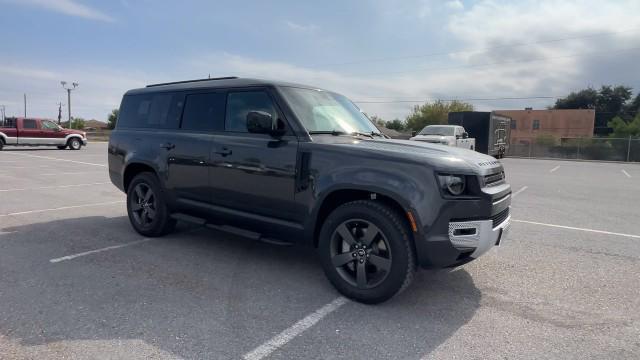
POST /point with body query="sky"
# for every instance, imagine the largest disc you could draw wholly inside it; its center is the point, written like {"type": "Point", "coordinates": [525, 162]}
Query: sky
{"type": "Point", "coordinates": [386, 55]}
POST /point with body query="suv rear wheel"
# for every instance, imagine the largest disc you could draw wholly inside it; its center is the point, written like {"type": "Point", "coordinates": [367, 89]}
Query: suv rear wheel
{"type": "Point", "coordinates": [147, 208]}
{"type": "Point", "coordinates": [366, 252]}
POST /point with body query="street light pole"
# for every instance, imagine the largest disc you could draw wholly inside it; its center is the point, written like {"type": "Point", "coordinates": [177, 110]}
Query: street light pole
{"type": "Point", "coordinates": [64, 86]}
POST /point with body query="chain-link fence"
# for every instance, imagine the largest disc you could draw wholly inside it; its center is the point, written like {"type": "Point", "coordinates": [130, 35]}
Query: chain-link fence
{"type": "Point", "coordinates": [605, 149]}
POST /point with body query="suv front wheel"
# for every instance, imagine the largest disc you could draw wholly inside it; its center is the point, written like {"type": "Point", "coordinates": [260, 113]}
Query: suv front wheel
{"type": "Point", "coordinates": [147, 208]}
{"type": "Point", "coordinates": [366, 252]}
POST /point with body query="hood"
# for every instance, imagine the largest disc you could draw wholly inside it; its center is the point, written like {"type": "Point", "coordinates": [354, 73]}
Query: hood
{"type": "Point", "coordinates": [73, 131]}
{"type": "Point", "coordinates": [431, 138]}
{"type": "Point", "coordinates": [441, 158]}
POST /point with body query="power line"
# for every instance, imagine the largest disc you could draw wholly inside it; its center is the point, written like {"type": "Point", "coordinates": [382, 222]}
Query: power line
{"type": "Point", "coordinates": [480, 50]}
{"type": "Point", "coordinates": [455, 99]}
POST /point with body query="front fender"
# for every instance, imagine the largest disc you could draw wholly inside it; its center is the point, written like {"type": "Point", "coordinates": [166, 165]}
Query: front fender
{"type": "Point", "coordinates": [410, 187]}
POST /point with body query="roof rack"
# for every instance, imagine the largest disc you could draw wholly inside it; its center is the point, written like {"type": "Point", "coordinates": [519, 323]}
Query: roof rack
{"type": "Point", "coordinates": [189, 81]}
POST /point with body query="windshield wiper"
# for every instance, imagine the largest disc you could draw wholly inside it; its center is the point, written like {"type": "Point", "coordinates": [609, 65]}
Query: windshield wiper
{"type": "Point", "coordinates": [339, 132]}
{"type": "Point", "coordinates": [357, 133]}
{"type": "Point", "coordinates": [331, 132]}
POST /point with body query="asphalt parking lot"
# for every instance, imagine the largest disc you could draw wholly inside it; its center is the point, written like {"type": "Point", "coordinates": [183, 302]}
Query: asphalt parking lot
{"type": "Point", "coordinates": [77, 282]}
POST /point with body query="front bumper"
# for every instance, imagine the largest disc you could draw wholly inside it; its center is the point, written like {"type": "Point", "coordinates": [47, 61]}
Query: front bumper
{"type": "Point", "coordinates": [84, 142]}
{"type": "Point", "coordinates": [478, 236]}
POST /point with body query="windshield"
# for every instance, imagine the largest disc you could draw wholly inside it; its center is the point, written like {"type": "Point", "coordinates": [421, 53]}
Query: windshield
{"type": "Point", "coordinates": [322, 111]}
{"type": "Point", "coordinates": [438, 130]}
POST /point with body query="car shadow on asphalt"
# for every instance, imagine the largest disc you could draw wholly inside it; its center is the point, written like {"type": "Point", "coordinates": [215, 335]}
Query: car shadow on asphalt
{"type": "Point", "coordinates": [200, 293]}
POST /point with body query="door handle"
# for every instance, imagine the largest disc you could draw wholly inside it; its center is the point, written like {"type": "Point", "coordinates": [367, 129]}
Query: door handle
{"type": "Point", "coordinates": [168, 146]}
{"type": "Point", "coordinates": [224, 152]}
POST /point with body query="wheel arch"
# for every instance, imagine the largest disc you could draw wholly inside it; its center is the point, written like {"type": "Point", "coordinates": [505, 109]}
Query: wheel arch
{"type": "Point", "coordinates": [338, 197]}
{"type": "Point", "coordinates": [133, 169]}
{"type": "Point", "coordinates": [71, 136]}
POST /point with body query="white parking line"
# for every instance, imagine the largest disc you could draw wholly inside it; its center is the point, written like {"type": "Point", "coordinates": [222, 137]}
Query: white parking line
{"type": "Point", "coordinates": [53, 187]}
{"type": "Point", "coordinates": [71, 173]}
{"type": "Point", "coordinates": [63, 208]}
{"type": "Point", "coordinates": [57, 159]}
{"type": "Point", "coordinates": [298, 328]}
{"type": "Point", "coordinates": [579, 229]}
{"type": "Point", "coordinates": [519, 191]}
{"type": "Point", "coordinates": [70, 257]}
{"type": "Point", "coordinates": [555, 168]}
{"type": "Point", "coordinates": [626, 173]}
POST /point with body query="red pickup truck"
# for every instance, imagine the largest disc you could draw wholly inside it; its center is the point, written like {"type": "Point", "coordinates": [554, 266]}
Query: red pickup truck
{"type": "Point", "coordinates": [39, 132]}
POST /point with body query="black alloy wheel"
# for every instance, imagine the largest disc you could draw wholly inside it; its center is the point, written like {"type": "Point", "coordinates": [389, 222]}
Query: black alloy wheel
{"type": "Point", "coordinates": [143, 204]}
{"type": "Point", "coordinates": [361, 254]}
{"type": "Point", "coordinates": [147, 209]}
{"type": "Point", "coordinates": [367, 251]}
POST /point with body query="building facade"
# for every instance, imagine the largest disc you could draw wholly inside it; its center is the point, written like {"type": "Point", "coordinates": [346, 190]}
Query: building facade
{"type": "Point", "coordinates": [528, 125]}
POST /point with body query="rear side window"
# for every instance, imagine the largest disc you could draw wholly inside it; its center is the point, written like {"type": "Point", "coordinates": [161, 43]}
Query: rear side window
{"type": "Point", "coordinates": [29, 124]}
{"type": "Point", "coordinates": [239, 104]}
{"type": "Point", "coordinates": [203, 111]}
{"type": "Point", "coordinates": [157, 111]}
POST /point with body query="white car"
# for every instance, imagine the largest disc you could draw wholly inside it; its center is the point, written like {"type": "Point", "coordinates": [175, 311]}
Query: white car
{"type": "Point", "coordinates": [449, 135]}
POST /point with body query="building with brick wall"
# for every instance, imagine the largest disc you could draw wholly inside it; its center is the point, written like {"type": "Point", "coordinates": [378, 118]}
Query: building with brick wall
{"type": "Point", "coordinates": [527, 125]}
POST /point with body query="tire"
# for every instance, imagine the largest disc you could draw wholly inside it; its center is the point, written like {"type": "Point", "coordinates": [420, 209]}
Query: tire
{"type": "Point", "coordinates": [74, 143]}
{"type": "Point", "coordinates": [62, 147]}
{"type": "Point", "coordinates": [148, 212]}
{"type": "Point", "coordinates": [387, 264]}
{"type": "Point", "coordinates": [1, 144]}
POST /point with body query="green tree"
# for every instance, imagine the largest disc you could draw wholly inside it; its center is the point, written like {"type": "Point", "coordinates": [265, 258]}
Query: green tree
{"type": "Point", "coordinates": [113, 117]}
{"type": "Point", "coordinates": [77, 123]}
{"type": "Point", "coordinates": [624, 129]}
{"type": "Point", "coordinates": [434, 113]}
{"type": "Point", "coordinates": [633, 108]}
{"type": "Point", "coordinates": [583, 99]}
{"type": "Point", "coordinates": [395, 124]}
{"type": "Point", "coordinates": [377, 120]}
{"type": "Point", "coordinates": [608, 99]}
{"type": "Point", "coordinates": [612, 100]}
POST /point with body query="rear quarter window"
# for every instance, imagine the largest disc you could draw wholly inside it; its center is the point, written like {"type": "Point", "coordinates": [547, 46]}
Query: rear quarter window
{"type": "Point", "coordinates": [29, 124]}
{"type": "Point", "coordinates": [151, 111]}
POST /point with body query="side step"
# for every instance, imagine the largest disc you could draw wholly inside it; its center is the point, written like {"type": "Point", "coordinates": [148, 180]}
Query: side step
{"type": "Point", "coordinates": [229, 229]}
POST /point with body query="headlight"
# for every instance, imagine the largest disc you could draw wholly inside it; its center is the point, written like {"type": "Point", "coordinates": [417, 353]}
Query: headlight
{"type": "Point", "coordinates": [453, 184]}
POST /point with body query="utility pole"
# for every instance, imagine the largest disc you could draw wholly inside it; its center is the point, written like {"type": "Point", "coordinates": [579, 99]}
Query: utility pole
{"type": "Point", "coordinates": [59, 112]}
{"type": "Point", "coordinates": [2, 109]}
{"type": "Point", "coordinates": [25, 105]}
{"type": "Point", "coordinates": [64, 86]}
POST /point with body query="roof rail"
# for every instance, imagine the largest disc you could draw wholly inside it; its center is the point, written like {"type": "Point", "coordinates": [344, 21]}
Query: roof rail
{"type": "Point", "coordinates": [189, 81]}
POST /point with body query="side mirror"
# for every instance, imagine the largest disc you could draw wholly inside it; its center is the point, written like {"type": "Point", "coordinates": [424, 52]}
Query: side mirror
{"type": "Point", "coordinates": [260, 122]}
{"type": "Point", "coordinates": [414, 133]}
{"type": "Point", "coordinates": [465, 135]}
{"type": "Point", "coordinates": [58, 129]}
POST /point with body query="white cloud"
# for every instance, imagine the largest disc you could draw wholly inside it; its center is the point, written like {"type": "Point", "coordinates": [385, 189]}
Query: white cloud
{"type": "Point", "coordinates": [424, 8]}
{"type": "Point", "coordinates": [68, 7]}
{"type": "Point", "coordinates": [301, 27]}
{"type": "Point", "coordinates": [455, 5]}
{"type": "Point", "coordinates": [100, 89]}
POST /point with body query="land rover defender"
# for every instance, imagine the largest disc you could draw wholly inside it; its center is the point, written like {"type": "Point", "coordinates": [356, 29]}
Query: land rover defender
{"type": "Point", "coordinates": [289, 163]}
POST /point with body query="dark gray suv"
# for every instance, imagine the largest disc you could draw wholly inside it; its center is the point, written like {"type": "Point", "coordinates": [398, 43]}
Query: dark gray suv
{"type": "Point", "coordinates": [288, 163]}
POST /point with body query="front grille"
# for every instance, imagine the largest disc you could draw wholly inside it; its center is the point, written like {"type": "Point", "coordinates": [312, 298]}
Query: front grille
{"type": "Point", "coordinates": [494, 179]}
{"type": "Point", "coordinates": [500, 217]}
